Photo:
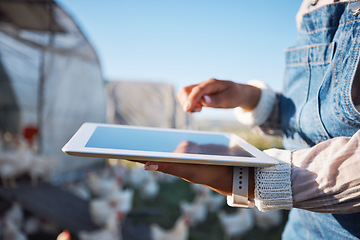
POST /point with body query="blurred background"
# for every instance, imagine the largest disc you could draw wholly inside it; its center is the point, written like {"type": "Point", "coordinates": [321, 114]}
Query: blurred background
{"type": "Point", "coordinates": [187, 42]}
{"type": "Point", "coordinates": [66, 62]}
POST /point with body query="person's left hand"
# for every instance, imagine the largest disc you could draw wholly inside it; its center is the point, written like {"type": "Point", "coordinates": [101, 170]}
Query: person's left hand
{"type": "Point", "coordinates": [218, 178]}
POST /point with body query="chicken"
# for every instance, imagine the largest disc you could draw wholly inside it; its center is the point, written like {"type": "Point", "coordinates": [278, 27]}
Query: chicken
{"type": "Point", "coordinates": [119, 202]}
{"type": "Point", "coordinates": [163, 177]}
{"type": "Point", "coordinates": [21, 160]}
{"type": "Point", "coordinates": [180, 231]}
{"type": "Point", "coordinates": [8, 173]}
{"type": "Point", "coordinates": [136, 176]}
{"type": "Point", "coordinates": [267, 220]}
{"type": "Point", "coordinates": [195, 211]}
{"type": "Point", "coordinates": [150, 188]}
{"type": "Point", "coordinates": [11, 231]}
{"type": "Point", "coordinates": [15, 163]}
{"type": "Point", "coordinates": [41, 167]}
{"type": "Point", "coordinates": [214, 202]}
{"type": "Point", "coordinates": [15, 214]}
{"type": "Point", "coordinates": [117, 170]}
{"type": "Point", "coordinates": [122, 200]}
{"type": "Point", "coordinates": [49, 227]}
{"type": "Point", "coordinates": [200, 189]}
{"type": "Point", "coordinates": [100, 211]}
{"type": "Point", "coordinates": [111, 230]}
{"type": "Point", "coordinates": [101, 186]}
{"type": "Point", "coordinates": [32, 225]}
{"type": "Point", "coordinates": [236, 224]}
{"type": "Point", "coordinates": [102, 234]}
{"type": "Point", "coordinates": [78, 189]}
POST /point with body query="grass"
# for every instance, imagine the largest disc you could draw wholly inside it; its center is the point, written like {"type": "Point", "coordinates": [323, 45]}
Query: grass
{"type": "Point", "coordinates": [167, 205]}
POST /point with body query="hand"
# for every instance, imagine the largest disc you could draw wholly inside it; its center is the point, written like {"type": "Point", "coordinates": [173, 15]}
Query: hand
{"type": "Point", "coordinates": [218, 178]}
{"type": "Point", "coordinates": [218, 94]}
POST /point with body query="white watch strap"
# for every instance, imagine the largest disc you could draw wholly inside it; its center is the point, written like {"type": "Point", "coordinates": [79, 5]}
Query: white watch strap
{"type": "Point", "coordinates": [239, 197]}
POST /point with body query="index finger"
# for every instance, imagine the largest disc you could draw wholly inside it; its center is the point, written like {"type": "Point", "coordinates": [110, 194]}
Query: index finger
{"type": "Point", "coordinates": [198, 92]}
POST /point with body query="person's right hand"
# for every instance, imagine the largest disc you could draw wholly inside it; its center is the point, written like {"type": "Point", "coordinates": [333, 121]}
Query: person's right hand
{"type": "Point", "coordinates": [218, 94]}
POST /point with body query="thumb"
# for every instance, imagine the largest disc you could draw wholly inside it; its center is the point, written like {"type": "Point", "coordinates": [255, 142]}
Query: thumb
{"type": "Point", "coordinates": [164, 167]}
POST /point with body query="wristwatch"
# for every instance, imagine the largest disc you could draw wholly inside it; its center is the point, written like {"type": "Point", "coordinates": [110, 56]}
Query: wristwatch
{"type": "Point", "coordinates": [240, 189]}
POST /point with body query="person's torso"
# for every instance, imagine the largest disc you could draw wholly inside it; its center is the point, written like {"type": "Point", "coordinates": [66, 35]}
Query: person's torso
{"type": "Point", "coordinates": [321, 86]}
{"type": "Point", "coordinates": [317, 102]}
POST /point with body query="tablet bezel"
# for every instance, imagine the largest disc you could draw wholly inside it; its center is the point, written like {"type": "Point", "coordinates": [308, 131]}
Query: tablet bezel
{"type": "Point", "coordinates": [76, 147]}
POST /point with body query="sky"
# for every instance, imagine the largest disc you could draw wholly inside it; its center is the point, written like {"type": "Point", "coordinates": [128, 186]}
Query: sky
{"type": "Point", "coordinates": [189, 41]}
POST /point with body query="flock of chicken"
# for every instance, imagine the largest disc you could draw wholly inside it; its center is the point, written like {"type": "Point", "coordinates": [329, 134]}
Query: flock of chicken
{"type": "Point", "coordinates": [110, 201]}
{"type": "Point", "coordinates": [18, 157]}
{"type": "Point", "coordinates": [17, 225]}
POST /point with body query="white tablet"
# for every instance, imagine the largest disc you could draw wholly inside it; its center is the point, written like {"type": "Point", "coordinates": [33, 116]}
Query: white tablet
{"type": "Point", "coordinates": [162, 144]}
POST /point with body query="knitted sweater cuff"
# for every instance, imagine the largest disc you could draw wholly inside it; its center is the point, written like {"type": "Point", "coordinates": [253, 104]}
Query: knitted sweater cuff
{"type": "Point", "coordinates": [273, 184]}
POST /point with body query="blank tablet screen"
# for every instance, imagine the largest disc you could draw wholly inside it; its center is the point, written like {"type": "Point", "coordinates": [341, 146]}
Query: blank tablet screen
{"type": "Point", "coordinates": [162, 141]}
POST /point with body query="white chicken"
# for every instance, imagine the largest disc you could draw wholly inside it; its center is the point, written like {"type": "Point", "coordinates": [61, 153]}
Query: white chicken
{"type": "Point", "coordinates": [195, 211]}
{"type": "Point", "coordinates": [236, 224]}
{"type": "Point", "coordinates": [267, 220]}
{"type": "Point", "coordinates": [111, 230]}
{"type": "Point", "coordinates": [117, 170]}
{"type": "Point", "coordinates": [49, 227]}
{"type": "Point", "coordinates": [100, 211]}
{"type": "Point", "coordinates": [41, 167]}
{"type": "Point", "coordinates": [180, 231]}
{"type": "Point", "coordinates": [79, 189]}
{"type": "Point", "coordinates": [32, 225]}
{"type": "Point", "coordinates": [214, 202]}
{"type": "Point", "coordinates": [200, 189]}
{"type": "Point", "coordinates": [150, 188]}
{"type": "Point", "coordinates": [11, 231]}
{"type": "Point", "coordinates": [15, 214]}
{"type": "Point", "coordinates": [119, 202]}
{"type": "Point", "coordinates": [101, 186]}
{"type": "Point", "coordinates": [8, 173]}
{"type": "Point", "coordinates": [163, 177]}
{"type": "Point", "coordinates": [15, 163]}
{"type": "Point", "coordinates": [136, 176]}
{"type": "Point", "coordinates": [102, 234]}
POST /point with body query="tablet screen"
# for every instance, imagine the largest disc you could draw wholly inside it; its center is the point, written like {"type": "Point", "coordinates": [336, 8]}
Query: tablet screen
{"type": "Point", "coordinates": [161, 141]}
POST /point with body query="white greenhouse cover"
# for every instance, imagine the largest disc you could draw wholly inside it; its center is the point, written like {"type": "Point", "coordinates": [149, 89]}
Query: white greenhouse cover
{"type": "Point", "coordinates": [50, 77]}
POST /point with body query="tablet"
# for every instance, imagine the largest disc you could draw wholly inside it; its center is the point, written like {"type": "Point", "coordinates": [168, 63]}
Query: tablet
{"type": "Point", "coordinates": [163, 144]}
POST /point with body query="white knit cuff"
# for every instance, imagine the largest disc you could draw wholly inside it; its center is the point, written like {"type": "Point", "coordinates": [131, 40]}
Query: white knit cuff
{"type": "Point", "coordinates": [273, 184]}
{"type": "Point", "coordinates": [262, 111]}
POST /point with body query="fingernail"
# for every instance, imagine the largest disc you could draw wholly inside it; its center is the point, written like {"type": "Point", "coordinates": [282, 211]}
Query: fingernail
{"type": "Point", "coordinates": [207, 99]}
{"type": "Point", "coordinates": [186, 106]}
{"type": "Point", "coordinates": [151, 167]}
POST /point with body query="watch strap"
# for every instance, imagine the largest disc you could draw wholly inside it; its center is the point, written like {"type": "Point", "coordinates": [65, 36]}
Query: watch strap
{"type": "Point", "coordinates": [240, 189]}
